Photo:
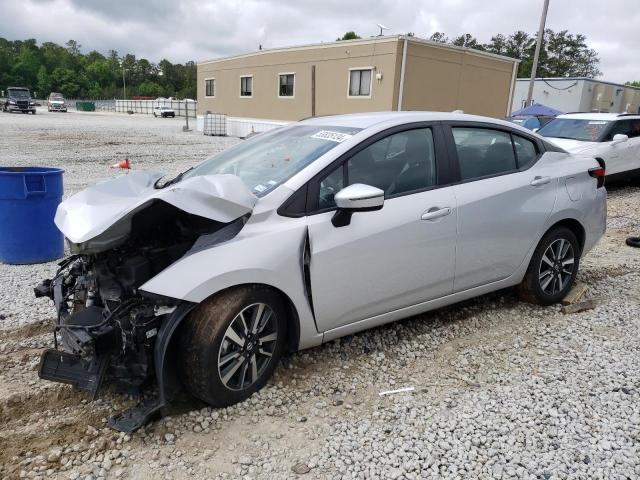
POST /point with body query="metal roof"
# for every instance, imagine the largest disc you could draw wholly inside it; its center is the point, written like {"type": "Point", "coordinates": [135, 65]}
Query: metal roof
{"type": "Point", "coordinates": [364, 41]}
{"type": "Point", "coordinates": [597, 116]}
{"type": "Point", "coordinates": [578, 79]}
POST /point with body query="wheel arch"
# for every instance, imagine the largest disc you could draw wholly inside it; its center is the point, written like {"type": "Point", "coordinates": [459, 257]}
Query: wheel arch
{"type": "Point", "coordinates": [166, 351]}
{"type": "Point", "coordinates": [575, 226]}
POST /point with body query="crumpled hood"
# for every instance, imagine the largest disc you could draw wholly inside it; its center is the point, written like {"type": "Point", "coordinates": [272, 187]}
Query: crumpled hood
{"type": "Point", "coordinates": [93, 211]}
{"type": "Point", "coordinates": [573, 146]}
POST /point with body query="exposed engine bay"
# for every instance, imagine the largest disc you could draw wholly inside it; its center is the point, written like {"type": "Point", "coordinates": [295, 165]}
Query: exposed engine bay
{"type": "Point", "coordinates": [106, 327]}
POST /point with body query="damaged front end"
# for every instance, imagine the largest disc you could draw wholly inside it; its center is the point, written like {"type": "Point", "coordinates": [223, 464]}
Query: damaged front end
{"type": "Point", "coordinates": [108, 330]}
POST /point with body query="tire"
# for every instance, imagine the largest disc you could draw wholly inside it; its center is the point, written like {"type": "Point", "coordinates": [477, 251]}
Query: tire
{"type": "Point", "coordinates": [547, 283]}
{"type": "Point", "coordinates": [211, 365]}
{"type": "Point", "coordinates": [633, 242]}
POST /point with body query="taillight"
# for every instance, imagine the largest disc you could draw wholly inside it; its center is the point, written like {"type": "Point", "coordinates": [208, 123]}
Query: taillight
{"type": "Point", "coordinates": [599, 172]}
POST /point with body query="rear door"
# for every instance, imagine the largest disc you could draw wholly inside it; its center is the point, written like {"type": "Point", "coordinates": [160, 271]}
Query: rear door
{"type": "Point", "coordinates": [503, 201]}
{"type": "Point", "coordinates": [392, 258]}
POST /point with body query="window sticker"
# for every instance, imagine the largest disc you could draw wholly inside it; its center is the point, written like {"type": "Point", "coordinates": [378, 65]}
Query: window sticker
{"type": "Point", "coordinates": [259, 188]}
{"type": "Point", "coordinates": [597, 122]}
{"type": "Point", "coordinates": [337, 137]}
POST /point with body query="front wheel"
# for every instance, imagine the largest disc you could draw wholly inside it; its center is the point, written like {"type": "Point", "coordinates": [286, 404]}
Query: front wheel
{"type": "Point", "coordinates": [553, 268]}
{"type": "Point", "coordinates": [231, 343]}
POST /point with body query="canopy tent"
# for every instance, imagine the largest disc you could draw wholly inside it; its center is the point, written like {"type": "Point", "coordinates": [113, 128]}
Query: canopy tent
{"type": "Point", "coordinates": [537, 110]}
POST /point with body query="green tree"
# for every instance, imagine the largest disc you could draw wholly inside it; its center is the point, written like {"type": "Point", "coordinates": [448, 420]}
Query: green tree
{"type": "Point", "coordinates": [66, 82]}
{"type": "Point", "coordinates": [150, 89]}
{"type": "Point", "coordinates": [439, 37]}
{"type": "Point", "coordinates": [44, 85]}
{"type": "Point", "coordinates": [350, 35]}
{"type": "Point", "coordinates": [469, 41]}
{"type": "Point", "coordinates": [635, 83]}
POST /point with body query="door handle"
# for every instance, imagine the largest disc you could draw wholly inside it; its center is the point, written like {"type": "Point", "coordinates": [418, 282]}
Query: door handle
{"type": "Point", "coordinates": [436, 212]}
{"type": "Point", "coordinates": [537, 181]}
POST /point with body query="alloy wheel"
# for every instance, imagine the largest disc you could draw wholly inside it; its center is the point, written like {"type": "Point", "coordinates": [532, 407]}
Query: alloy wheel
{"type": "Point", "coordinates": [556, 267]}
{"type": "Point", "coordinates": [247, 346]}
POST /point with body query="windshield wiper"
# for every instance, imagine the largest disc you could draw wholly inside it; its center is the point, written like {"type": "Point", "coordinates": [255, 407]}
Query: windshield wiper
{"type": "Point", "coordinates": [568, 138]}
{"type": "Point", "coordinates": [173, 180]}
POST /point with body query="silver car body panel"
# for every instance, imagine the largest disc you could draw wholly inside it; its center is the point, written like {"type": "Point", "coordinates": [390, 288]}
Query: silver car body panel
{"type": "Point", "coordinates": [113, 202]}
{"type": "Point", "coordinates": [499, 219]}
{"type": "Point", "coordinates": [384, 260]}
{"type": "Point", "coordinates": [383, 266]}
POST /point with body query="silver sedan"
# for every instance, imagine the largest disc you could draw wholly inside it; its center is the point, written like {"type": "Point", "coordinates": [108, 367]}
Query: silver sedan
{"type": "Point", "coordinates": [305, 234]}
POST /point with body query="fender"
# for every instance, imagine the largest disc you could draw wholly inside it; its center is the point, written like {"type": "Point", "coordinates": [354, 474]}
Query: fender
{"type": "Point", "coordinates": [166, 376]}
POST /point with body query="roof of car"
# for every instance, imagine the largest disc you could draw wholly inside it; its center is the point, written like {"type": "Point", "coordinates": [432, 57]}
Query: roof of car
{"type": "Point", "coordinates": [366, 120]}
{"type": "Point", "coordinates": [597, 116]}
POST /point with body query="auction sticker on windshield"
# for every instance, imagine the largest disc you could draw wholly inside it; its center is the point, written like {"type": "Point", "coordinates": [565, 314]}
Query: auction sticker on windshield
{"type": "Point", "coordinates": [337, 137]}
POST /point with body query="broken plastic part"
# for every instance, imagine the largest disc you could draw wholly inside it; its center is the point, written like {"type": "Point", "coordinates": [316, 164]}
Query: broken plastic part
{"type": "Point", "coordinates": [64, 367]}
{"type": "Point", "coordinates": [133, 418]}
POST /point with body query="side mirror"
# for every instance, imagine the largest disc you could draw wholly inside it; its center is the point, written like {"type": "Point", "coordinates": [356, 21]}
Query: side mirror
{"type": "Point", "coordinates": [356, 198]}
{"type": "Point", "coordinates": [619, 138]}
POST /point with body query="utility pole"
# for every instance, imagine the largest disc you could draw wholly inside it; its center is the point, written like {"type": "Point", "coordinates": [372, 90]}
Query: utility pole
{"type": "Point", "coordinates": [536, 56]}
{"type": "Point", "coordinates": [124, 86]}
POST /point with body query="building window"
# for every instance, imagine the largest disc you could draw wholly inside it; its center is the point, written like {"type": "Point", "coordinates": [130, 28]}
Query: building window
{"type": "Point", "coordinates": [210, 87]}
{"type": "Point", "coordinates": [360, 82]}
{"type": "Point", "coordinates": [246, 86]}
{"type": "Point", "coordinates": [285, 86]}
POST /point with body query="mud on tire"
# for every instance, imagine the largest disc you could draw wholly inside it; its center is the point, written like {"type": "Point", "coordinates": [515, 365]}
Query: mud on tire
{"type": "Point", "coordinates": [214, 333]}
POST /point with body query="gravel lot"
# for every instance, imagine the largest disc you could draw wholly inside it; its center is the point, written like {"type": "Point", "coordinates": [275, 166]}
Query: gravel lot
{"type": "Point", "coordinates": [503, 389]}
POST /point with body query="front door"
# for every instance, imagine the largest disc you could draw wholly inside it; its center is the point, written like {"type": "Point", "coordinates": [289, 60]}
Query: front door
{"type": "Point", "coordinates": [624, 156]}
{"type": "Point", "coordinates": [395, 257]}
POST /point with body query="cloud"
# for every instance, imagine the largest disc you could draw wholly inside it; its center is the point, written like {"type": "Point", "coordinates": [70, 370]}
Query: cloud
{"type": "Point", "coordinates": [201, 29]}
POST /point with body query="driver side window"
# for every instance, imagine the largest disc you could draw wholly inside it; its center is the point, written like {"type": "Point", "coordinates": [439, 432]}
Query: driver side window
{"type": "Point", "coordinates": [400, 163]}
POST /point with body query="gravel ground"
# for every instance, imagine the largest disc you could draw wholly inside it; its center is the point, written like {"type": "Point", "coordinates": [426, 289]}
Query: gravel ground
{"type": "Point", "coordinates": [503, 389]}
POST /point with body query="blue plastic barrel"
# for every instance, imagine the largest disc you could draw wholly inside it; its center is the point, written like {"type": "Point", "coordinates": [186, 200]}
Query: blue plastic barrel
{"type": "Point", "coordinates": [29, 197]}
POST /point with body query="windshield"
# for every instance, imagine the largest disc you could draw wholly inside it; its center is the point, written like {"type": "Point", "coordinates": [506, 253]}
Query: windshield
{"type": "Point", "coordinates": [271, 158]}
{"type": "Point", "coordinates": [19, 93]}
{"type": "Point", "coordinates": [575, 129]}
{"type": "Point", "coordinates": [56, 96]}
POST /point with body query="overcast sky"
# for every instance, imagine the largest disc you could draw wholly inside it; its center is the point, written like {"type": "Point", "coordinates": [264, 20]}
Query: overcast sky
{"type": "Point", "coordinates": [181, 30]}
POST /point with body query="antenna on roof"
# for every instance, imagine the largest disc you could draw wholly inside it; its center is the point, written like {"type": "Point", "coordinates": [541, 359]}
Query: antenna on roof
{"type": "Point", "coordinates": [382, 27]}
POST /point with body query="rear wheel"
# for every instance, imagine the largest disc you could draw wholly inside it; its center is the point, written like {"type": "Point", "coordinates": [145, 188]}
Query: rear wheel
{"type": "Point", "coordinates": [230, 345]}
{"type": "Point", "coordinates": [553, 268]}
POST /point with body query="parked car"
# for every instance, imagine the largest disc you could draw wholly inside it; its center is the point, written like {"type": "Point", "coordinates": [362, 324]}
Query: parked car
{"type": "Point", "coordinates": [530, 122]}
{"type": "Point", "coordinates": [613, 137]}
{"type": "Point", "coordinates": [162, 111]}
{"type": "Point", "coordinates": [56, 103]}
{"type": "Point", "coordinates": [302, 235]}
{"type": "Point", "coordinates": [19, 99]}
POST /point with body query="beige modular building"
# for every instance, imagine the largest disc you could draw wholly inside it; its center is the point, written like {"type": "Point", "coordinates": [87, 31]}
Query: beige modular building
{"type": "Point", "coordinates": [377, 74]}
{"type": "Point", "coordinates": [579, 94]}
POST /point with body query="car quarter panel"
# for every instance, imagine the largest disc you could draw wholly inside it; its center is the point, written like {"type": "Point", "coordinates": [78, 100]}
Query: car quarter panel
{"type": "Point", "coordinates": [268, 250]}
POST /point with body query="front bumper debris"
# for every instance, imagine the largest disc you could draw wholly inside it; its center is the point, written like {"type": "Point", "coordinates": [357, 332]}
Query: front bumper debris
{"type": "Point", "coordinates": [63, 367]}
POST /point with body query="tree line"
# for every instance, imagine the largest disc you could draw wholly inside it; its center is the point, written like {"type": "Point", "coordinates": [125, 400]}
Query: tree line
{"type": "Point", "coordinates": [563, 54]}
{"type": "Point", "coordinates": [54, 68]}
